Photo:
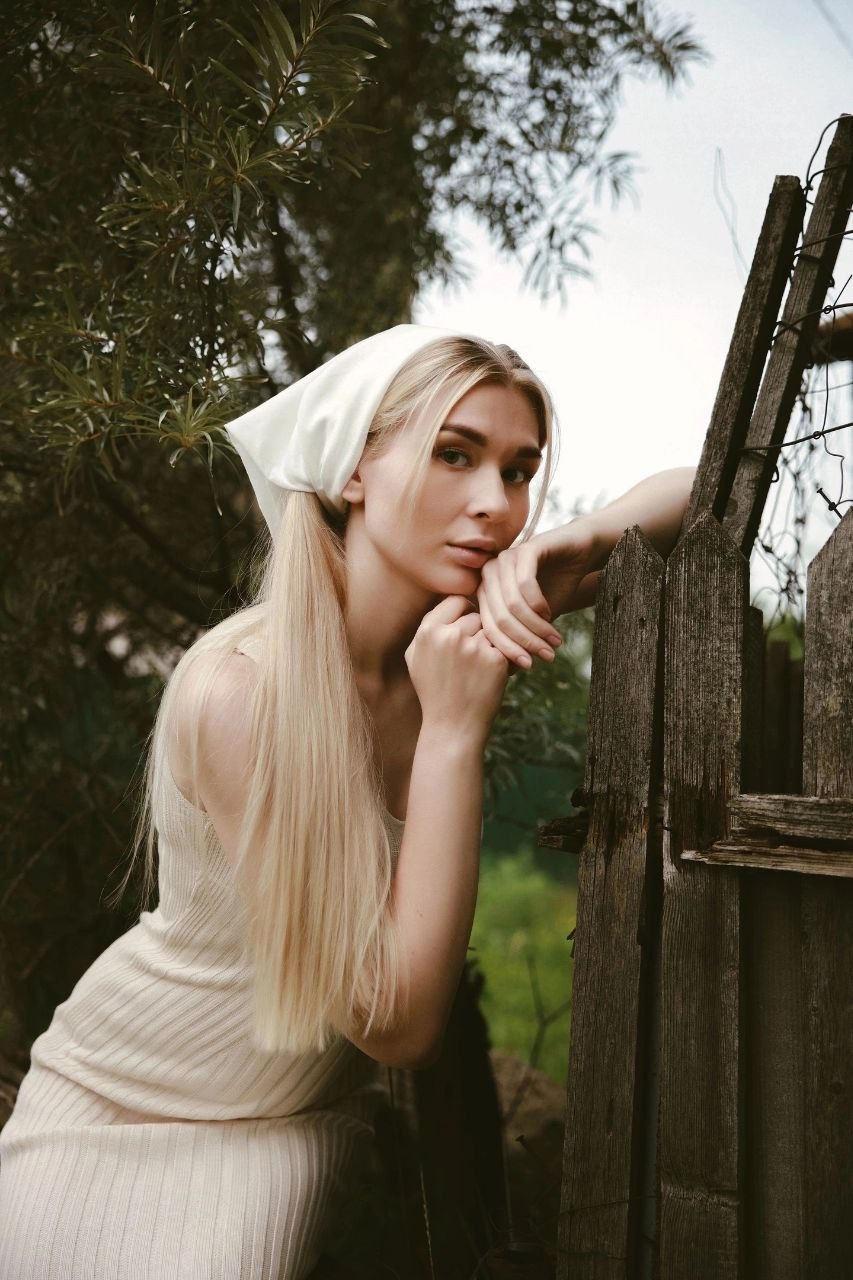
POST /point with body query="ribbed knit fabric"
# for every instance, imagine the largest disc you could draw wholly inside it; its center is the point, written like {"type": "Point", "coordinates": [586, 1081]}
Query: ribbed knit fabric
{"type": "Point", "coordinates": [150, 1139]}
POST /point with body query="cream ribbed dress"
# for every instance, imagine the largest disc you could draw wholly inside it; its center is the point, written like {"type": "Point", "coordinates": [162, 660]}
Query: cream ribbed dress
{"type": "Point", "coordinates": [150, 1140]}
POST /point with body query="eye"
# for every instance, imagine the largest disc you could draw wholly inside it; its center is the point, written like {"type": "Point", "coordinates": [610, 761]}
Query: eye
{"type": "Point", "coordinates": [526, 476]}
{"type": "Point", "coordinates": [442, 452]}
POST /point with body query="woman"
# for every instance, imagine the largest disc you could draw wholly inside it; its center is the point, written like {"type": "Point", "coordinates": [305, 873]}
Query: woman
{"type": "Point", "coordinates": [201, 1091]}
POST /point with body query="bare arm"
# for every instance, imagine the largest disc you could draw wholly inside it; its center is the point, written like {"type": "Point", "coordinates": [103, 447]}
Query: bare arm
{"type": "Point", "coordinates": [435, 888]}
{"type": "Point", "coordinates": [657, 504]}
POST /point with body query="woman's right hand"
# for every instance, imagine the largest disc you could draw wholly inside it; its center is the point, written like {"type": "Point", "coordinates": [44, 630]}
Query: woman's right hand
{"type": "Point", "coordinates": [458, 674]}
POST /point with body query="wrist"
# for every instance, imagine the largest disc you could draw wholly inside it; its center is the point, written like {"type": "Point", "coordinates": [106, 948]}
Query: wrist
{"type": "Point", "coordinates": [593, 531]}
{"type": "Point", "coordinates": [452, 739]}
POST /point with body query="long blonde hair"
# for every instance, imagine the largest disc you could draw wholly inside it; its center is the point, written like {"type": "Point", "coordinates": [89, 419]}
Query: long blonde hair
{"type": "Point", "coordinates": [314, 857]}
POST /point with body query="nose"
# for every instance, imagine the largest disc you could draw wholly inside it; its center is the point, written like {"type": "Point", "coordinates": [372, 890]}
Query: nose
{"type": "Point", "coordinates": [488, 495]}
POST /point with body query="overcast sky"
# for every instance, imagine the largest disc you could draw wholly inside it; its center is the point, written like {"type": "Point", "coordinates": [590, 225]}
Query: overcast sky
{"type": "Point", "coordinates": [634, 357]}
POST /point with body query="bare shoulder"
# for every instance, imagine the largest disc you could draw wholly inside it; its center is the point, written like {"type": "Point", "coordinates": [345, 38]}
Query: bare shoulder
{"type": "Point", "coordinates": [224, 742]}
{"type": "Point", "coordinates": [225, 709]}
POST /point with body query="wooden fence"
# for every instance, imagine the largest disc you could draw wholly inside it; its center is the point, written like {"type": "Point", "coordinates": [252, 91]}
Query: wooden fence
{"type": "Point", "coordinates": [708, 1129]}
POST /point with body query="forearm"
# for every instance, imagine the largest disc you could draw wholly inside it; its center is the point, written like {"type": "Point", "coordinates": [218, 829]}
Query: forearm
{"type": "Point", "coordinates": [435, 885]}
{"type": "Point", "coordinates": [657, 504]}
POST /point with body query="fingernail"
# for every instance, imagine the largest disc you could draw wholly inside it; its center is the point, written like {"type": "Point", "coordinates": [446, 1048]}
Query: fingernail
{"type": "Point", "coordinates": [547, 654]}
{"type": "Point", "coordinates": [556, 641]}
{"type": "Point", "coordinates": [525, 659]}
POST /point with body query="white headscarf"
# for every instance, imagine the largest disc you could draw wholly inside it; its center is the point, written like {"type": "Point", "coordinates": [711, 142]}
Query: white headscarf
{"type": "Point", "coordinates": [311, 435]}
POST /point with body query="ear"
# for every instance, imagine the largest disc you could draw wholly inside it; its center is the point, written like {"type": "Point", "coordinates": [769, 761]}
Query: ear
{"type": "Point", "coordinates": [353, 490]}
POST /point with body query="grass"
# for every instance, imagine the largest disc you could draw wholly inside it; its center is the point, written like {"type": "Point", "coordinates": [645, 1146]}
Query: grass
{"type": "Point", "coordinates": [520, 944]}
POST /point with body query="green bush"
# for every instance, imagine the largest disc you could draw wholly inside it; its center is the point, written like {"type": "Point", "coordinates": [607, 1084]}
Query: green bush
{"type": "Point", "coordinates": [519, 941]}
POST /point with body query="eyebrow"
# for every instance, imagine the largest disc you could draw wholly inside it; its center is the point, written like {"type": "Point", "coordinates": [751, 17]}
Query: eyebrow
{"type": "Point", "coordinates": [526, 451]}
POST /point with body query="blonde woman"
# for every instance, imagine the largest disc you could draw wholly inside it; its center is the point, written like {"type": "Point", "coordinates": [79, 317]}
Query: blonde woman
{"type": "Point", "coordinates": [314, 785]}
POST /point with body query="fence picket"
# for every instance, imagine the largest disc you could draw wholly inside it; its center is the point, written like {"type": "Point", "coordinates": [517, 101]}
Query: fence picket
{"type": "Point", "coordinates": [607, 1154]}
{"type": "Point", "coordinates": [701, 1149]}
{"type": "Point", "coordinates": [739, 381]}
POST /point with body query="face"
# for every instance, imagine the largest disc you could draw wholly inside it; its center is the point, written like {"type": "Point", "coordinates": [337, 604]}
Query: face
{"type": "Point", "coordinates": [477, 488]}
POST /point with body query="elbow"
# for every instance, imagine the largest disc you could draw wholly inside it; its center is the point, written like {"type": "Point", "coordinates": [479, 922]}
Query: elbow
{"type": "Point", "coordinates": [404, 1050]}
{"type": "Point", "coordinates": [413, 1055]}
{"type": "Point", "coordinates": [424, 1059]}
{"type": "Point", "coordinates": [418, 1061]}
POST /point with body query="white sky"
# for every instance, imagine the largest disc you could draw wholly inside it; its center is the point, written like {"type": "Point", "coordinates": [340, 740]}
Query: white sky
{"type": "Point", "coordinates": [634, 358]}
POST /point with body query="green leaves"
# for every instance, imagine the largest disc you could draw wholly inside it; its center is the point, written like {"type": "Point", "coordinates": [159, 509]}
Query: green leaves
{"type": "Point", "coordinates": [135, 296]}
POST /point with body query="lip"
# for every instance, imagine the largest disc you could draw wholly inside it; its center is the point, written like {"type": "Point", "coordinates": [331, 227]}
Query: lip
{"type": "Point", "coordinates": [478, 544]}
{"type": "Point", "coordinates": [470, 555]}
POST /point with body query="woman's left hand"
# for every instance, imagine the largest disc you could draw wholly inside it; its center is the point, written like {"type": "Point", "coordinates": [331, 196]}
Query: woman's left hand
{"type": "Point", "coordinates": [527, 585]}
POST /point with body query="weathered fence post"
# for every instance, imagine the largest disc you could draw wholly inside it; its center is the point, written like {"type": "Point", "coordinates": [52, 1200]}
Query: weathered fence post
{"type": "Point", "coordinates": [607, 1139]}
{"type": "Point", "coordinates": [701, 1147]}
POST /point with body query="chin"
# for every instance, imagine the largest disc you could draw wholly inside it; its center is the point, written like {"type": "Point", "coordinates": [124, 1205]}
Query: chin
{"type": "Point", "coordinates": [464, 582]}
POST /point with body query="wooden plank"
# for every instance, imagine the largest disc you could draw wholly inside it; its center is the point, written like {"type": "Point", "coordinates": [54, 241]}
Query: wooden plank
{"type": "Point", "coordinates": [567, 834]}
{"type": "Point", "coordinates": [792, 347]}
{"type": "Point", "coordinates": [796, 857]}
{"type": "Point", "coordinates": [762, 298]}
{"type": "Point", "coordinates": [827, 919]}
{"type": "Point", "coordinates": [804, 817]}
{"type": "Point", "coordinates": [701, 1147]}
{"type": "Point", "coordinates": [606, 1133]}
{"type": "Point", "coordinates": [828, 675]}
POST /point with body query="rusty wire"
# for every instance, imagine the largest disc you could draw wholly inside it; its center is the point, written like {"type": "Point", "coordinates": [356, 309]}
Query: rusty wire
{"type": "Point", "coordinates": [811, 480]}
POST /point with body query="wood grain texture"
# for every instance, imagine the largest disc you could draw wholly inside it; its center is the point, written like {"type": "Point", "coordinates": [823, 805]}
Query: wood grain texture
{"type": "Point", "coordinates": [808, 834]}
{"type": "Point", "coordinates": [793, 345]}
{"type": "Point", "coordinates": [805, 817]}
{"type": "Point", "coordinates": [701, 1148]}
{"type": "Point", "coordinates": [827, 918]}
{"type": "Point", "coordinates": [567, 834]}
{"type": "Point", "coordinates": [824, 862]}
{"type": "Point", "coordinates": [607, 1135]}
{"type": "Point", "coordinates": [762, 298]}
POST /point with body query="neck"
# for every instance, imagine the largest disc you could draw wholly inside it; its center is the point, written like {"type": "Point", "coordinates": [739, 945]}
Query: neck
{"type": "Point", "coordinates": [383, 611]}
